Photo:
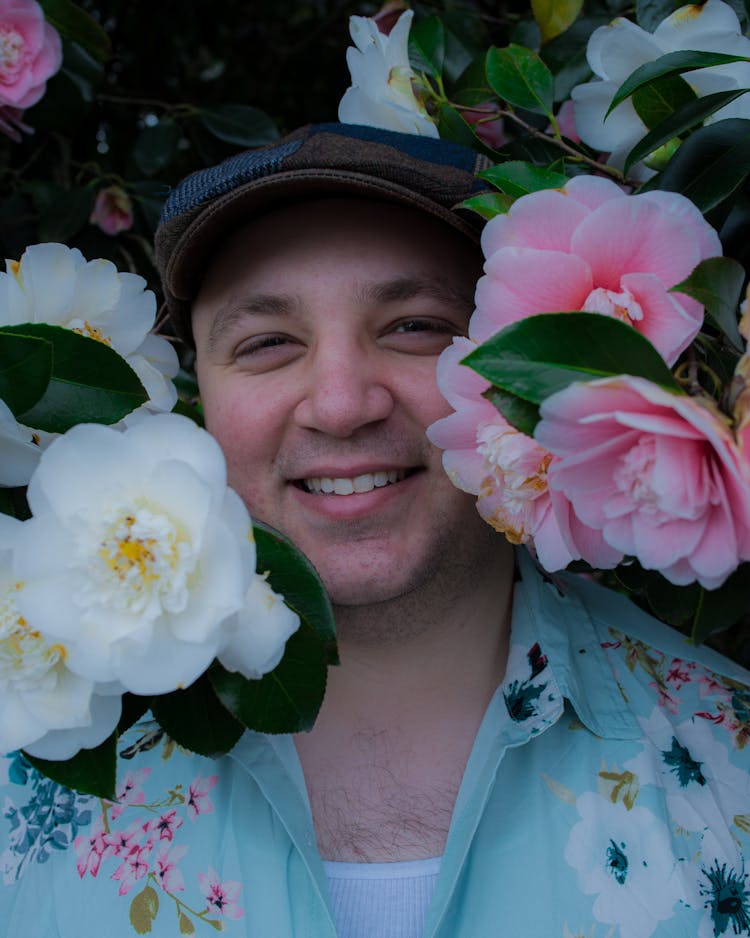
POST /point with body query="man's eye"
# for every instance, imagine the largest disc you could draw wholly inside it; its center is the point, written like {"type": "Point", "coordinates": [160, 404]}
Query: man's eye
{"type": "Point", "coordinates": [260, 344]}
{"type": "Point", "coordinates": [423, 325]}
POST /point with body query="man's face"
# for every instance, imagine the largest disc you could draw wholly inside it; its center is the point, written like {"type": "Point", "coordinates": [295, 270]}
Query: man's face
{"type": "Point", "coordinates": [317, 331]}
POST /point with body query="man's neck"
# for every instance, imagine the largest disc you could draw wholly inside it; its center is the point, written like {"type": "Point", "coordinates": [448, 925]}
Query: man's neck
{"type": "Point", "coordinates": [385, 759]}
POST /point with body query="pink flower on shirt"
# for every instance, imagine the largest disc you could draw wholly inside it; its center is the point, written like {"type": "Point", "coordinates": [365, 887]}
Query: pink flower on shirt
{"type": "Point", "coordinates": [166, 871]}
{"type": "Point", "coordinates": [198, 801]}
{"type": "Point", "coordinates": [221, 897]}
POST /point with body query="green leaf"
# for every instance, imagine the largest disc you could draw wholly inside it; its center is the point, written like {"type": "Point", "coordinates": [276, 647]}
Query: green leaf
{"type": "Point", "coordinates": [543, 354]}
{"type": "Point", "coordinates": [239, 124]}
{"type": "Point", "coordinates": [673, 63]}
{"type": "Point", "coordinates": [427, 46]}
{"type": "Point", "coordinates": [488, 204]}
{"type": "Point", "coordinates": [718, 609]}
{"type": "Point", "coordinates": [521, 78]}
{"type": "Point", "coordinates": [70, 20]}
{"type": "Point", "coordinates": [90, 382]}
{"type": "Point", "coordinates": [523, 415]}
{"type": "Point", "coordinates": [89, 771]}
{"type": "Point", "coordinates": [156, 146]}
{"type": "Point", "coordinates": [25, 370]}
{"type": "Point", "coordinates": [82, 70]}
{"type": "Point", "coordinates": [518, 178]}
{"type": "Point", "coordinates": [716, 283]}
{"type": "Point", "coordinates": [686, 118]}
{"type": "Point", "coordinates": [134, 706]}
{"type": "Point", "coordinates": [659, 99]}
{"type": "Point", "coordinates": [287, 699]}
{"type": "Point", "coordinates": [291, 574]}
{"type": "Point", "coordinates": [196, 719]}
{"type": "Point", "coordinates": [711, 164]}
{"type": "Point", "coordinates": [452, 126]}
{"type": "Point", "coordinates": [555, 16]}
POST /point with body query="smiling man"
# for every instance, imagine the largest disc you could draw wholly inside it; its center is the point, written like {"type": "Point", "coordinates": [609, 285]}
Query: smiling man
{"type": "Point", "coordinates": [499, 753]}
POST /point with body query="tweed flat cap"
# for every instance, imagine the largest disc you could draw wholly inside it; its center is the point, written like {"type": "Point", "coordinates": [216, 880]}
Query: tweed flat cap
{"type": "Point", "coordinates": [316, 160]}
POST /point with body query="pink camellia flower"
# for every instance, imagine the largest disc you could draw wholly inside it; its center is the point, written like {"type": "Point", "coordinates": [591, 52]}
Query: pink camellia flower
{"type": "Point", "coordinates": [659, 474]}
{"type": "Point", "coordinates": [113, 210]}
{"type": "Point", "coordinates": [591, 247]}
{"type": "Point", "coordinates": [30, 53]}
{"type": "Point", "coordinates": [507, 470]}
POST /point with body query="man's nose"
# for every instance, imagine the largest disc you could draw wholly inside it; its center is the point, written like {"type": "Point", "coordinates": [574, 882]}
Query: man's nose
{"type": "Point", "coordinates": [346, 389]}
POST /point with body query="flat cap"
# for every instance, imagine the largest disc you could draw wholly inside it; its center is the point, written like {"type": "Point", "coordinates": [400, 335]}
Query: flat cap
{"type": "Point", "coordinates": [315, 161]}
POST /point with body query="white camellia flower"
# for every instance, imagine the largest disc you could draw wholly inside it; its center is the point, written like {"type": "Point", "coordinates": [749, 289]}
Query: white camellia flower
{"type": "Point", "coordinates": [54, 284]}
{"type": "Point", "coordinates": [137, 553]}
{"type": "Point", "coordinates": [46, 708]}
{"type": "Point", "coordinates": [263, 625]}
{"type": "Point", "coordinates": [617, 50]}
{"type": "Point", "coordinates": [381, 93]}
{"type": "Point", "coordinates": [19, 449]}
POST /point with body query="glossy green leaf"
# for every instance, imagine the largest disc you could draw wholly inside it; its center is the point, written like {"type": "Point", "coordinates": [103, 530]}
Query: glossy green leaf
{"type": "Point", "coordinates": [240, 124]}
{"type": "Point", "coordinates": [197, 720]}
{"type": "Point", "coordinates": [69, 19]}
{"type": "Point", "coordinates": [134, 707]}
{"type": "Point", "coordinates": [673, 63]}
{"type": "Point", "coordinates": [81, 69]}
{"type": "Point", "coordinates": [711, 164]}
{"type": "Point", "coordinates": [540, 355]}
{"type": "Point", "coordinates": [555, 16]}
{"type": "Point", "coordinates": [716, 283]}
{"type": "Point", "coordinates": [90, 771]}
{"type": "Point", "coordinates": [718, 609]}
{"type": "Point", "coordinates": [519, 178]}
{"type": "Point", "coordinates": [427, 46]}
{"type": "Point", "coordinates": [25, 370]}
{"type": "Point", "coordinates": [688, 117]}
{"type": "Point", "coordinates": [156, 146]}
{"type": "Point", "coordinates": [659, 99]}
{"type": "Point", "coordinates": [452, 126]}
{"type": "Point", "coordinates": [90, 382]}
{"type": "Point", "coordinates": [521, 78]}
{"type": "Point", "coordinates": [287, 699]}
{"type": "Point", "coordinates": [488, 204]}
{"type": "Point", "coordinates": [291, 574]}
{"type": "Point", "coordinates": [521, 414]}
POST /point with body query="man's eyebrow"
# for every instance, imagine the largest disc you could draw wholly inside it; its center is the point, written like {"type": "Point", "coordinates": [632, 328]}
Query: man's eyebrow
{"type": "Point", "coordinates": [260, 304]}
{"type": "Point", "coordinates": [407, 288]}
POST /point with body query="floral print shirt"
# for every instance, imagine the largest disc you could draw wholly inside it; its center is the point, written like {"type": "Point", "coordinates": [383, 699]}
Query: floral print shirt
{"type": "Point", "coordinates": [607, 796]}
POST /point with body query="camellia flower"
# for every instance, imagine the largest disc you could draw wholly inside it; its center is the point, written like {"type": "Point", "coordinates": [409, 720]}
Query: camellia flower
{"type": "Point", "coordinates": [262, 627]}
{"type": "Point", "coordinates": [381, 93]}
{"type": "Point", "coordinates": [19, 450]}
{"type": "Point", "coordinates": [30, 53]}
{"type": "Point", "coordinates": [591, 247]}
{"type": "Point", "coordinates": [46, 708]}
{"type": "Point", "coordinates": [487, 125]}
{"type": "Point", "coordinates": [137, 552]}
{"type": "Point", "coordinates": [617, 50]}
{"type": "Point", "coordinates": [659, 474]}
{"type": "Point", "coordinates": [507, 470]}
{"type": "Point", "coordinates": [54, 284]}
{"type": "Point", "coordinates": [113, 210]}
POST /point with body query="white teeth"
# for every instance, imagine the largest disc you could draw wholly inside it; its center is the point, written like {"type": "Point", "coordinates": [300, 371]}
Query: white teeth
{"type": "Point", "coordinates": [348, 486]}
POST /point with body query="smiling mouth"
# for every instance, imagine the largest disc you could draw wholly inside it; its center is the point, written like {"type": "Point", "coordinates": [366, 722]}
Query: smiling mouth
{"type": "Point", "coordinates": [353, 485]}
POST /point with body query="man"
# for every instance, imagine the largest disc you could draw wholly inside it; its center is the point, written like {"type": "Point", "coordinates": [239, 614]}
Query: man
{"type": "Point", "coordinates": [498, 754]}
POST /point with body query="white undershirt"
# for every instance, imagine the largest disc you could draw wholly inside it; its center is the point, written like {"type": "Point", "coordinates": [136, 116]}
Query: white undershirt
{"type": "Point", "coordinates": [381, 900]}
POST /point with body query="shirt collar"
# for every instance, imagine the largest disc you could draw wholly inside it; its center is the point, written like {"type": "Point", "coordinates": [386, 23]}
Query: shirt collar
{"type": "Point", "coordinates": [555, 641]}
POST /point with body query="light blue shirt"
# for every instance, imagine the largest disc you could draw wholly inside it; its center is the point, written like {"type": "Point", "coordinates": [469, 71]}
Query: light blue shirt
{"type": "Point", "coordinates": [607, 794]}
